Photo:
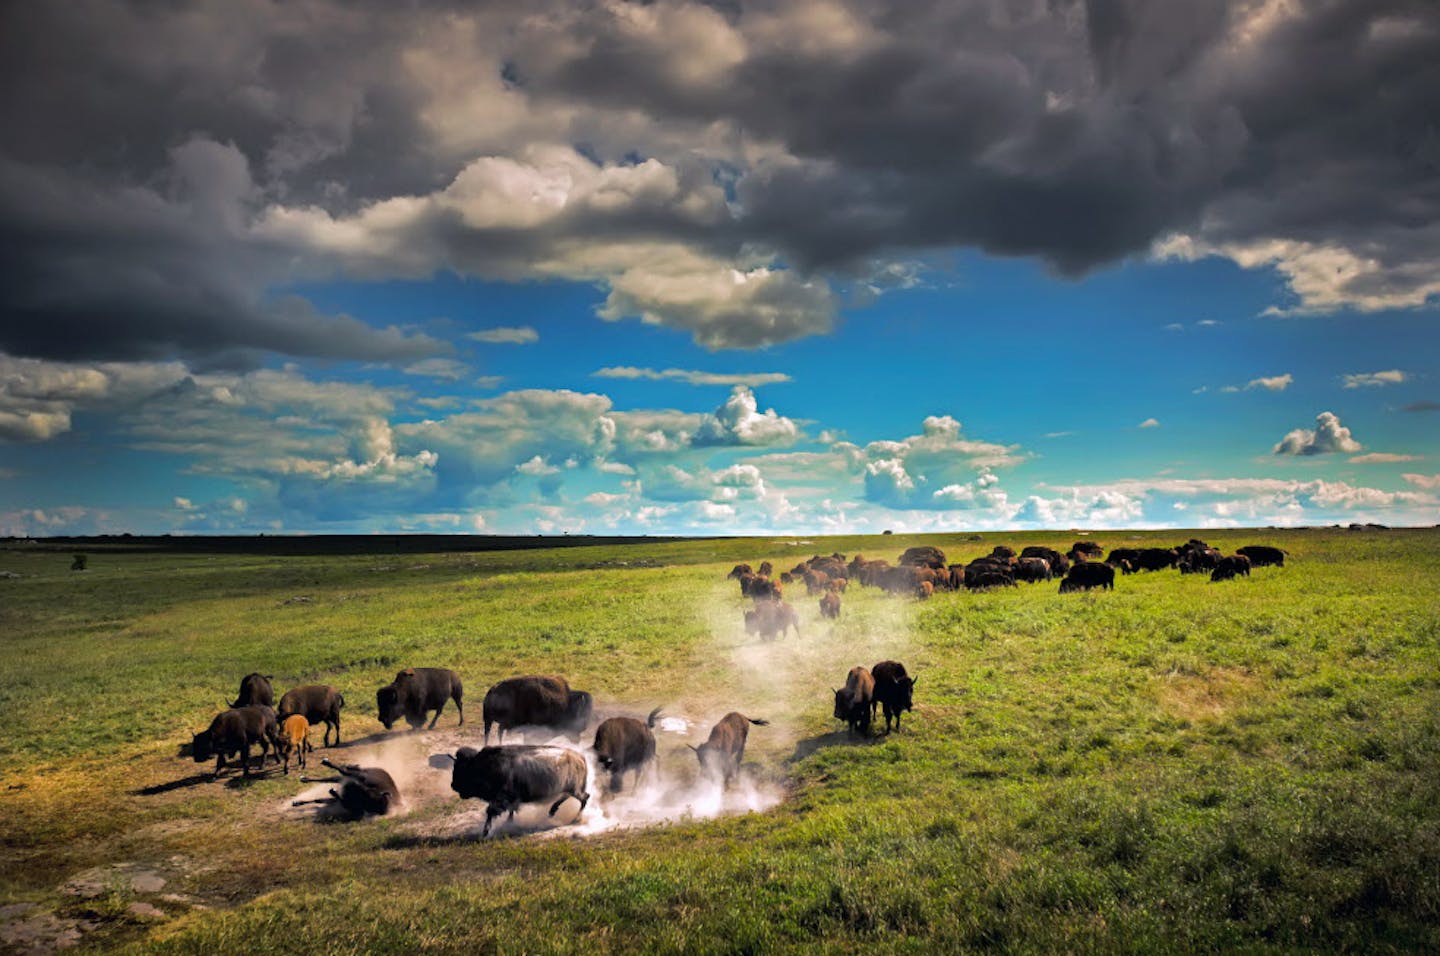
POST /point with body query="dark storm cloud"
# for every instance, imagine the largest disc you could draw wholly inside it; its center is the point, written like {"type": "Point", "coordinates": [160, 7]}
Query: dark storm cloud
{"type": "Point", "coordinates": [822, 135]}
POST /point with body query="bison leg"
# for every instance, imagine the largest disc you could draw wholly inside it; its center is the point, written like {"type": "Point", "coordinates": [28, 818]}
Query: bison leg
{"type": "Point", "coordinates": [491, 812]}
{"type": "Point", "coordinates": [219, 765]}
{"type": "Point", "coordinates": [461, 708]}
{"type": "Point", "coordinates": [245, 759]}
{"type": "Point", "coordinates": [617, 781]}
{"type": "Point", "coordinates": [556, 805]}
{"type": "Point", "coordinates": [436, 717]}
{"type": "Point", "coordinates": [488, 722]}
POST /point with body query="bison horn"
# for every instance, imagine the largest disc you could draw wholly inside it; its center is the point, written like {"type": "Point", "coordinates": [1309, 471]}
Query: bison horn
{"type": "Point", "coordinates": [693, 747]}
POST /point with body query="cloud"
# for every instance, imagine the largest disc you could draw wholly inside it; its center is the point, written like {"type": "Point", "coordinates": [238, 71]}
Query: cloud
{"type": "Point", "coordinates": [730, 182]}
{"type": "Point", "coordinates": [1149, 423]}
{"type": "Point", "coordinates": [1275, 383]}
{"type": "Point", "coordinates": [691, 377]}
{"type": "Point", "coordinates": [1426, 482]}
{"type": "Point", "coordinates": [739, 422]}
{"type": "Point", "coordinates": [38, 398]}
{"type": "Point", "coordinates": [938, 469]}
{"type": "Point", "coordinates": [506, 335]}
{"type": "Point", "coordinates": [536, 467]}
{"type": "Point", "coordinates": [447, 370]}
{"type": "Point", "coordinates": [1327, 437]}
{"type": "Point", "coordinates": [1375, 379]}
{"type": "Point", "coordinates": [1383, 457]}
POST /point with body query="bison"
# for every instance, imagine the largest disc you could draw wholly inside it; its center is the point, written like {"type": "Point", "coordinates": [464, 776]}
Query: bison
{"type": "Point", "coordinates": [255, 690]}
{"type": "Point", "coordinates": [766, 569]}
{"type": "Point", "coordinates": [924, 590]}
{"type": "Point", "coordinates": [415, 692]}
{"type": "Point", "coordinates": [1032, 570]}
{"type": "Point", "coordinates": [923, 556]}
{"type": "Point", "coordinates": [1059, 564]}
{"type": "Point", "coordinates": [1087, 575]}
{"type": "Point", "coordinates": [1091, 549]}
{"type": "Point", "coordinates": [318, 704]}
{"type": "Point", "coordinates": [771, 619]}
{"type": "Point", "coordinates": [539, 702]}
{"type": "Point", "coordinates": [830, 606]}
{"type": "Point", "coordinates": [1228, 567]}
{"type": "Point", "coordinates": [1157, 559]}
{"type": "Point", "coordinates": [1262, 555]}
{"type": "Point", "coordinates": [235, 731]}
{"type": "Point", "coordinates": [363, 790]}
{"type": "Point", "coordinates": [623, 744]}
{"type": "Point", "coordinates": [506, 777]}
{"type": "Point", "coordinates": [853, 701]}
{"type": "Point", "coordinates": [295, 739]}
{"type": "Point", "coordinates": [740, 569]}
{"type": "Point", "coordinates": [894, 691]}
{"type": "Point", "coordinates": [723, 750]}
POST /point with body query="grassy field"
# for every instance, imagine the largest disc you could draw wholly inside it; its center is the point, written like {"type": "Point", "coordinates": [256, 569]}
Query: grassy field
{"type": "Point", "coordinates": [1175, 765]}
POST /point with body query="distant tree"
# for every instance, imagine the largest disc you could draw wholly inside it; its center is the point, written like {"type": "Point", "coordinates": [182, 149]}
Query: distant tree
{"type": "Point", "coordinates": [79, 563]}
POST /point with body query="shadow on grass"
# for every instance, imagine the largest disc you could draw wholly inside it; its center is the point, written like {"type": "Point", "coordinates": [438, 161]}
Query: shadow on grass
{"type": "Point", "coordinates": [194, 780]}
{"type": "Point", "coordinates": [839, 738]}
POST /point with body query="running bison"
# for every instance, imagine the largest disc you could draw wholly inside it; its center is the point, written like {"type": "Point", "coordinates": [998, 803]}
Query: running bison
{"type": "Point", "coordinates": [255, 689]}
{"type": "Point", "coordinates": [415, 692]}
{"type": "Point", "coordinates": [536, 702]}
{"type": "Point", "coordinates": [854, 702]}
{"type": "Point", "coordinates": [506, 777]}
{"type": "Point", "coordinates": [830, 606]}
{"type": "Point", "coordinates": [623, 744]}
{"type": "Point", "coordinates": [318, 704]}
{"type": "Point", "coordinates": [894, 691]}
{"type": "Point", "coordinates": [236, 731]}
{"type": "Point", "coordinates": [771, 619]}
{"type": "Point", "coordinates": [363, 790]}
{"type": "Point", "coordinates": [722, 752]}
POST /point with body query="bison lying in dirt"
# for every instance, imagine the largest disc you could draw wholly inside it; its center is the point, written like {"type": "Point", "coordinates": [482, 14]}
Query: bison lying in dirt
{"type": "Point", "coordinates": [363, 790]}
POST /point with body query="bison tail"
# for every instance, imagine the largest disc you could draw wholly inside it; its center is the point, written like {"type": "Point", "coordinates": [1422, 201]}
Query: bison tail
{"type": "Point", "coordinates": [654, 715]}
{"type": "Point", "coordinates": [758, 722]}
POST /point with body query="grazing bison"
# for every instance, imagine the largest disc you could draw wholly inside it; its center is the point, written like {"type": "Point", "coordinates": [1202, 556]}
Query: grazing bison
{"type": "Point", "coordinates": [853, 702]}
{"type": "Point", "coordinates": [235, 731]}
{"type": "Point", "coordinates": [295, 739]}
{"type": "Point", "coordinates": [506, 777]}
{"type": "Point", "coordinates": [318, 704]}
{"type": "Point", "coordinates": [539, 702]}
{"type": "Point", "coordinates": [1004, 553]}
{"type": "Point", "coordinates": [1087, 575]}
{"type": "Point", "coordinates": [1090, 549]}
{"type": "Point", "coordinates": [923, 556]}
{"type": "Point", "coordinates": [255, 689]}
{"type": "Point", "coordinates": [1156, 559]}
{"type": "Point", "coordinates": [1228, 567]}
{"type": "Point", "coordinates": [1123, 554]}
{"type": "Point", "coordinates": [1262, 555]}
{"type": "Point", "coordinates": [894, 691]}
{"type": "Point", "coordinates": [1198, 560]}
{"type": "Point", "coordinates": [816, 582]}
{"type": "Point", "coordinates": [1032, 570]}
{"type": "Point", "coordinates": [957, 576]}
{"type": "Point", "coordinates": [830, 606]}
{"type": "Point", "coordinates": [722, 752]}
{"type": "Point", "coordinates": [1059, 564]}
{"type": "Point", "coordinates": [363, 790]}
{"type": "Point", "coordinates": [415, 692]}
{"type": "Point", "coordinates": [984, 578]}
{"type": "Point", "coordinates": [623, 744]}
{"type": "Point", "coordinates": [740, 569]}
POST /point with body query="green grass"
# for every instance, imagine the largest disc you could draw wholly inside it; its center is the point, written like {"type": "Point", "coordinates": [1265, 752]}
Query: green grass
{"type": "Point", "coordinates": [1172, 766]}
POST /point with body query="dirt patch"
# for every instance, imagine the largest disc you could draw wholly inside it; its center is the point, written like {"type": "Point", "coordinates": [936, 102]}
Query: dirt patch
{"type": "Point", "coordinates": [1208, 695]}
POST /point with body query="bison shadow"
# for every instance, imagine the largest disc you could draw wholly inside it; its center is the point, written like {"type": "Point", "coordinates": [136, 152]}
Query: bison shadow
{"type": "Point", "coordinates": [838, 738]}
{"type": "Point", "coordinates": [531, 819]}
{"type": "Point", "coordinates": [194, 780]}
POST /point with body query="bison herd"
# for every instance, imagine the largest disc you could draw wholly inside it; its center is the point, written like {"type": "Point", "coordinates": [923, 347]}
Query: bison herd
{"type": "Point", "coordinates": [922, 571]}
{"type": "Point", "coordinates": [505, 776]}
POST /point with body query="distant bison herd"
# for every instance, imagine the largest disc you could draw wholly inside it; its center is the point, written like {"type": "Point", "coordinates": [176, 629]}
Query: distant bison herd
{"type": "Point", "coordinates": [921, 572]}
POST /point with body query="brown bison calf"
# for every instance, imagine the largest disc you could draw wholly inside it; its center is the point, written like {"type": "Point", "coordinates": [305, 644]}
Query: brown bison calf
{"type": "Point", "coordinates": [722, 752]}
{"type": "Point", "coordinates": [295, 738]}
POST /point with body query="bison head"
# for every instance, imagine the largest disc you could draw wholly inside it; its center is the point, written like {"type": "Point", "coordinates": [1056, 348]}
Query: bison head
{"type": "Point", "coordinates": [842, 705]}
{"type": "Point", "coordinates": [202, 746]}
{"type": "Point", "coordinates": [578, 708]}
{"type": "Point", "coordinates": [387, 703]}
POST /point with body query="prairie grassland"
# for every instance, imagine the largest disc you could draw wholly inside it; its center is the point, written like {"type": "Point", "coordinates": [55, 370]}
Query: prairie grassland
{"type": "Point", "coordinates": [1175, 765]}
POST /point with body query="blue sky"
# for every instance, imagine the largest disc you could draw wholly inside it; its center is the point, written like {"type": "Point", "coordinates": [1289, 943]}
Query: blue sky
{"type": "Point", "coordinates": [492, 278]}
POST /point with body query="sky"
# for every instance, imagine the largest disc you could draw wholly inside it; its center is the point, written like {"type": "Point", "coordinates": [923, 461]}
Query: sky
{"type": "Point", "coordinates": [717, 266]}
